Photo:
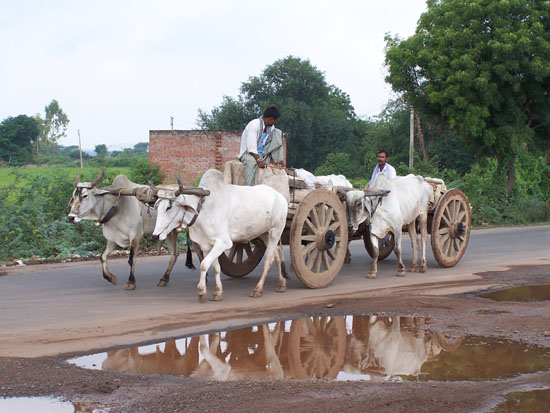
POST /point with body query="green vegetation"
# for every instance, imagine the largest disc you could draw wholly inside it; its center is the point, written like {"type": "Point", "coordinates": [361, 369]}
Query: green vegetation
{"type": "Point", "coordinates": [476, 74]}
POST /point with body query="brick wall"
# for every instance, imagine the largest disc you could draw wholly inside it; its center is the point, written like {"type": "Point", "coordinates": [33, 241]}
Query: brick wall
{"type": "Point", "coordinates": [190, 153]}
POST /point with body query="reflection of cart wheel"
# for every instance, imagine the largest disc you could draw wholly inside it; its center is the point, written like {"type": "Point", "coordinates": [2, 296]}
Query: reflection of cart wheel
{"type": "Point", "coordinates": [385, 246]}
{"type": "Point", "coordinates": [319, 238]}
{"type": "Point", "coordinates": [317, 347]}
{"type": "Point", "coordinates": [242, 258]}
{"type": "Point", "coordinates": [451, 228]}
{"type": "Point", "coordinates": [445, 343]}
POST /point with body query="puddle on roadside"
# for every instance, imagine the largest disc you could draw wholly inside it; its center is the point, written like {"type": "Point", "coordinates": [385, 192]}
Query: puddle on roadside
{"type": "Point", "coordinates": [524, 402]}
{"type": "Point", "coordinates": [523, 293]}
{"type": "Point", "coordinates": [372, 348]}
{"type": "Point", "coordinates": [47, 404]}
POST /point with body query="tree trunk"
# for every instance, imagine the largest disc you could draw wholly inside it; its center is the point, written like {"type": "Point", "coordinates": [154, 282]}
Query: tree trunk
{"type": "Point", "coordinates": [511, 174]}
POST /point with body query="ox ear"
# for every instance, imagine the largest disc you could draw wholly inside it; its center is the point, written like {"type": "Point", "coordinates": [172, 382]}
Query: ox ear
{"type": "Point", "coordinates": [190, 214]}
{"type": "Point", "coordinates": [97, 191]}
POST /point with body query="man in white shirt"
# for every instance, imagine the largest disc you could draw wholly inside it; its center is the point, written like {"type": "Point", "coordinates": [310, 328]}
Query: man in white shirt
{"type": "Point", "coordinates": [382, 167]}
{"type": "Point", "coordinates": [261, 144]}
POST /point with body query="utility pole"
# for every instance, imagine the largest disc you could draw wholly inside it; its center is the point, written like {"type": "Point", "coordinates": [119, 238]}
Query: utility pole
{"type": "Point", "coordinates": [172, 123]}
{"type": "Point", "coordinates": [80, 149]}
{"type": "Point", "coordinates": [411, 140]}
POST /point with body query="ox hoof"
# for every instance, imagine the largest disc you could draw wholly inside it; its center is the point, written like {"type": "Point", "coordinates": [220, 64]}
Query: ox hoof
{"type": "Point", "coordinates": [130, 286]}
{"type": "Point", "coordinates": [162, 283]}
{"type": "Point", "coordinates": [422, 269]}
{"type": "Point", "coordinates": [202, 298]}
{"type": "Point", "coordinates": [280, 289]}
{"type": "Point", "coordinates": [256, 294]}
{"type": "Point", "coordinates": [400, 273]}
{"type": "Point", "coordinates": [371, 275]}
{"type": "Point", "coordinates": [110, 278]}
{"type": "Point", "coordinates": [216, 297]}
{"type": "Point", "coordinates": [412, 269]}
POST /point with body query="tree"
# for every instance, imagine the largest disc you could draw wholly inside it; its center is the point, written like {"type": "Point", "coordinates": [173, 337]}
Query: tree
{"type": "Point", "coordinates": [54, 127]}
{"type": "Point", "coordinates": [318, 117]}
{"type": "Point", "coordinates": [16, 138]}
{"type": "Point", "coordinates": [141, 148]}
{"type": "Point", "coordinates": [483, 67]}
{"type": "Point", "coordinates": [101, 151]}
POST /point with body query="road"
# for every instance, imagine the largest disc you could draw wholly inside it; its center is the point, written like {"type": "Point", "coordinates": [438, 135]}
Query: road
{"type": "Point", "coordinates": [63, 308]}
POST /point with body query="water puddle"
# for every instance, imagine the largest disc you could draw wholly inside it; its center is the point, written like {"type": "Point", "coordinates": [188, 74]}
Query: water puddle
{"type": "Point", "coordinates": [372, 348]}
{"type": "Point", "coordinates": [47, 404]}
{"type": "Point", "coordinates": [524, 293]}
{"type": "Point", "coordinates": [524, 402]}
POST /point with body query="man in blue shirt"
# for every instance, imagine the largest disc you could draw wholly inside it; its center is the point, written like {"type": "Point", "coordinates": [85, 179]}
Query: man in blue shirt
{"type": "Point", "coordinates": [261, 144]}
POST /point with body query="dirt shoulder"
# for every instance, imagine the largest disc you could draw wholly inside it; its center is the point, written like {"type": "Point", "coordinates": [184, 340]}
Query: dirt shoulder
{"type": "Point", "coordinates": [455, 312]}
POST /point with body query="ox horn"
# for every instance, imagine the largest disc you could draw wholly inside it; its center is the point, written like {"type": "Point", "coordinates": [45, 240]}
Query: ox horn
{"type": "Point", "coordinates": [98, 179]}
{"type": "Point", "coordinates": [180, 187]}
{"type": "Point", "coordinates": [152, 185]}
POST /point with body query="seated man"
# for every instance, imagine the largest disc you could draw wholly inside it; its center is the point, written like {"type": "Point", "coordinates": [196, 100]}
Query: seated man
{"type": "Point", "coordinates": [261, 144]}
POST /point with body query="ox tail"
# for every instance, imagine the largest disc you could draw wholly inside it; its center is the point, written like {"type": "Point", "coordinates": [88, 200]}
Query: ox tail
{"type": "Point", "coordinates": [189, 257]}
{"type": "Point", "coordinates": [283, 265]}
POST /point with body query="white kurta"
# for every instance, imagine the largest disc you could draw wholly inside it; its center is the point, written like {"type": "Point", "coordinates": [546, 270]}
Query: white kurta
{"type": "Point", "coordinates": [388, 170]}
{"type": "Point", "coordinates": [249, 138]}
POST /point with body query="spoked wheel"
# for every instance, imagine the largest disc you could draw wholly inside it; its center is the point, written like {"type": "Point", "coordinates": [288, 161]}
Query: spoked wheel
{"type": "Point", "coordinates": [385, 246]}
{"type": "Point", "coordinates": [242, 258]}
{"type": "Point", "coordinates": [317, 346]}
{"type": "Point", "coordinates": [451, 226]}
{"type": "Point", "coordinates": [319, 238]}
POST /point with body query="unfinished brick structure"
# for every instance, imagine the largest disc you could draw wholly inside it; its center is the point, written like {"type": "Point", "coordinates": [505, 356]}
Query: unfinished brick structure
{"type": "Point", "coordinates": [190, 153]}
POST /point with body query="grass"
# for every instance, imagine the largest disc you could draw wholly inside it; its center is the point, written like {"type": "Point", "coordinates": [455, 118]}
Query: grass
{"type": "Point", "coordinates": [7, 175]}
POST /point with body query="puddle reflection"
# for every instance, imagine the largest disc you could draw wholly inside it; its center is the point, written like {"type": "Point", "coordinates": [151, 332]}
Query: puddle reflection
{"type": "Point", "coordinates": [530, 401]}
{"type": "Point", "coordinates": [524, 293]}
{"type": "Point", "coordinates": [47, 404]}
{"type": "Point", "coordinates": [342, 348]}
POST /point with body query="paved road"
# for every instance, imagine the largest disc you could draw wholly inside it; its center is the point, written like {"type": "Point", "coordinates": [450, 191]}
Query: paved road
{"type": "Point", "coordinates": [56, 308]}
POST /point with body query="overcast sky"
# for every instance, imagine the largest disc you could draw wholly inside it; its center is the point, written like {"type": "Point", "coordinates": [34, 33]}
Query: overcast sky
{"type": "Point", "coordinates": [122, 68]}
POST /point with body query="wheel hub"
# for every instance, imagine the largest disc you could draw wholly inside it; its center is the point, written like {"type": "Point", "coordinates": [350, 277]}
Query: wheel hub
{"type": "Point", "coordinates": [325, 240]}
{"type": "Point", "coordinates": [457, 229]}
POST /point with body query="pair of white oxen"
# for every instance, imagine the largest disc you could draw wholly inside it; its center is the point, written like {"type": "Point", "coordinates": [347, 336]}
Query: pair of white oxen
{"type": "Point", "coordinates": [235, 214]}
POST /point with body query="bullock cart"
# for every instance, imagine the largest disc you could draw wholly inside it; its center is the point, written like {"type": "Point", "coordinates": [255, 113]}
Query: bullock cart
{"type": "Point", "coordinates": [316, 231]}
{"type": "Point", "coordinates": [449, 223]}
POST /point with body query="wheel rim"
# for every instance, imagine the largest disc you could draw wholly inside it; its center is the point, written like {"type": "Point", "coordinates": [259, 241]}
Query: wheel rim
{"type": "Point", "coordinates": [317, 346]}
{"type": "Point", "coordinates": [319, 238]}
{"type": "Point", "coordinates": [385, 247]}
{"type": "Point", "coordinates": [451, 228]}
{"type": "Point", "coordinates": [242, 258]}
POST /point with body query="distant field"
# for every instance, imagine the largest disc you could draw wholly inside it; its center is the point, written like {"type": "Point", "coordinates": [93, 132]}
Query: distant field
{"type": "Point", "coordinates": [7, 175]}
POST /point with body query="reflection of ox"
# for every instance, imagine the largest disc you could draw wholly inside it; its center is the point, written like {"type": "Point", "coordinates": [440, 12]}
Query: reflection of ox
{"type": "Point", "coordinates": [229, 214]}
{"type": "Point", "coordinates": [125, 221]}
{"type": "Point", "coordinates": [384, 346]}
{"type": "Point", "coordinates": [406, 202]}
{"type": "Point", "coordinates": [169, 361]}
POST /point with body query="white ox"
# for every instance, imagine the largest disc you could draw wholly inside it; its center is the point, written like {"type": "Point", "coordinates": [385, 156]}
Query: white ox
{"type": "Point", "coordinates": [407, 202]}
{"type": "Point", "coordinates": [125, 221]}
{"type": "Point", "coordinates": [228, 215]}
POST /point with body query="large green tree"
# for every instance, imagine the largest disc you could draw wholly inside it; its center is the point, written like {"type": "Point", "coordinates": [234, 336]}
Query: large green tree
{"type": "Point", "coordinates": [483, 67]}
{"type": "Point", "coordinates": [318, 117]}
{"type": "Point", "coordinates": [54, 126]}
{"type": "Point", "coordinates": [16, 138]}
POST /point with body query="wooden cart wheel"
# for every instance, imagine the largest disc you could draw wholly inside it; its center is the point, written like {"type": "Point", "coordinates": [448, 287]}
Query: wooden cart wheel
{"type": "Point", "coordinates": [319, 238]}
{"type": "Point", "coordinates": [317, 347]}
{"type": "Point", "coordinates": [242, 258]}
{"type": "Point", "coordinates": [385, 246]}
{"type": "Point", "coordinates": [451, 226]}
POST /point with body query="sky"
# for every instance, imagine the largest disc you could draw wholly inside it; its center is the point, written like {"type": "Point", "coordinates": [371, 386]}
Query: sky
{"type": "Point", "coordinates": [120, 68]}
